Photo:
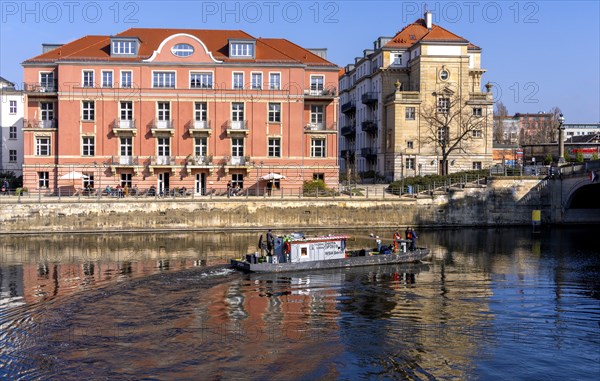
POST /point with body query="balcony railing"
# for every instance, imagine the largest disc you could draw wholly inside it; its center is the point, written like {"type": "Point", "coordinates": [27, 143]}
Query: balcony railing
{"type": "Point", "coordinates": [163, 124]}
{"type": "Point", "coordinates": [126, 124]}
{"type": "Point", "coordinates": [369, 97]}
{"type": "Point", "coordinates": [239, 160]}
{"type": "Point", "coordinates": [320, 128]}
{"type": "Point", "coordinates": [201, 124]}
{"type": "Point", "coordinates": [369, 126]}
{"type": "Point", "coordinates": [237, 126]}
{"type": "Point", "coordinates": [318, 92]}
{"type": "Point", "coordinates": [348, 131]}
{"type": "Point", "coordinates": [200, 160]}
{"type": "Point", "coordinates": [369, 153]}
{"type": "Point", "coordinates": [38, 123]}
{"type": "Point", "coordinates": [124, 160]}
{"type": "Point", "coordinates": [162, 160]}
{"type": "Point", "coordinates": [349, 107]}
{"type": "Point", "coordinates": [480, 96]}
{"type": "Point", "coordinates": [40, 88]}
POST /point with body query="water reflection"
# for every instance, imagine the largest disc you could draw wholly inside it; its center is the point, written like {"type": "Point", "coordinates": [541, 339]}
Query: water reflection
{"type": "Point", "coordinates": [158, 307]}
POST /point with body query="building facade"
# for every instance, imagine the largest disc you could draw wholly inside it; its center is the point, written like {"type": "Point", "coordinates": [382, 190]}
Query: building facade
{"type": "Point", "coordinates": [391, 95]}
{"type": "Point", "coordinates": [11, 128]}
{"type": "Point", "coordinates": [180, 108]}
{"type": "Point", "coordinates": [573, 130]}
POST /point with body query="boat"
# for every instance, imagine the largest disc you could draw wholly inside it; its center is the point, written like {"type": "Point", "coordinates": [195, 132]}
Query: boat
{"type": "Point", "coordinates": [296, 252]}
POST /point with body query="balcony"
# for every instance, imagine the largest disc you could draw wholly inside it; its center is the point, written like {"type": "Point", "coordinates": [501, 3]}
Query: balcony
{"type": "Point", "coordinates": [320, 94]}
{"type": "Point", "coordinates": [124, 127]}
{"type": "Point", "coordinates": [37, 124]}
{"type": "Point", "coordinates": [129, 162]}
{"type": "Point", "coordinates": [406, 97]}
{"type": "Point", "coordinates": [199, 162]}
{"type": "Point", "coordinates": [40, 89]}
{"type": "Point", "coordinates": [237, 127]}
{"type": "Point", "coordinates": [237, 162]}
{"type": "Point", "coordinates": [369, 98]}
{"type": "Point", "coordinates": [369, 153]}
{"type": "Point", "coordinates": [199, 128]}
{"type": "Point", "coordinates": [369, 126]}
{"type": "Point", "coordinates": [162, 127]}
{"type": "Point", "coordinates": [320, 128]}
{"type": "Point", "coordinates": [162, 162]}
{"type": "Point", "coordinates": [480, 98]}
{"type": "Point", "coordinates": [348, 131]}
{"type": "Point", "coordinates": [347, 154]}
{"type": "Point", "coordinates": [349, 107]}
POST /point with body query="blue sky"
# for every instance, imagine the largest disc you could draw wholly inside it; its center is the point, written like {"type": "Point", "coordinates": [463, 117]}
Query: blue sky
{"type": "Point", "coordinates": [537, 54]}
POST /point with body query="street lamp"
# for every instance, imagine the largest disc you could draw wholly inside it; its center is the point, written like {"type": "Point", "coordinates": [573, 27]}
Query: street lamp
{"type": "Point", "coordinates": [561, 139]}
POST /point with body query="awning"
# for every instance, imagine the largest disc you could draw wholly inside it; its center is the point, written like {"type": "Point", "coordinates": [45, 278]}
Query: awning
{"type": "Point", "coordinates": [273, 176]}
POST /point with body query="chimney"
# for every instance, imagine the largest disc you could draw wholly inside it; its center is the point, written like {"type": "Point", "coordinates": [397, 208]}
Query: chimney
{"type": "Point", "coordinates": [428, 20]}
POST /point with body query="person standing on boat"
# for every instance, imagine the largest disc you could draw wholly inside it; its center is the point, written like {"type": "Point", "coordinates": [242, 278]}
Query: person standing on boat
{"type": "Point", "coordinates": [378, 242]}
{"type": "Point", "coordinates": [397, 238]}
{"type": "Point", "coordinates": [413, 239]}
{"type": "Point", "coordinates": [270, 242]}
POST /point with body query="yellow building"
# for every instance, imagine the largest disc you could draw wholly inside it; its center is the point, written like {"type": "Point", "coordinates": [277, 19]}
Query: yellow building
{"type": "Point", "coordinates": [413, 105]}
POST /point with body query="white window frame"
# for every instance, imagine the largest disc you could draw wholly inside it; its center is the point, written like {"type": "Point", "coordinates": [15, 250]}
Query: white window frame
{"type": "Point", "coordinates": [477, 111]}
{"type": "Point", "coordinates": [203, 83]}
{"type": "Point", "coordinates": [200, 111]}
{"type": "Point", "coordinates": [123, 47]}
{"type": "Point", "coordinates": [127, 111]}
{"type": "Point", "coordinates": [85, 80]}
{"type": "Point", "coordinates": [274, 116]}
{"type": "Point", "coordinates": [234, 84]}
{"type": "Point", "coordinates": [43, 146]}
{"type": "Point", "coordinates": [237, 115]}
{"type": "Point", "coordinates": [121, 82]}
{"type": "Point", "coordinates": [12, 132]}
{"type": "Point", "coordinates": [275, 85]}
{"type": "Point", "coordinates": [126, 180]}
{"type": "Point", "coordinates": [237, 179]}
{"type": "Point", "coordinates": [45, 83]}
{"type": "Point", "coordinates": [477, 165]}
{"type": "Point", "coordinates": [410, 163]}
{"type": "Point", "coordinates": [164, 79]}
{"type": "Point", "coordinates": [318, 150]}
{"type": "Point", "coordinates": [254, 85]}
{"type": "Point", "coordinates": [163, 114]}
{"type": "Point", "coordinates": [476, 133]}
{"type": "Point", "coordinates": [104, 83]}
{"type": "Point", "coordinates": [409, 144]}
{"type": "Point", "coordinates": [12, 107]}
{"type": "Point", "coordinates": [200, 146]}
{"type": "Point", "coordinates": [241, 49]}
{"type": "Point", "coordinates": [317, 87]}
{"type": "Point", "coordinates": [182, 50]}
{"type": "Point", "coordinates": [163, 146]}
{"type": "Point", "coordinates": [317, 117]}
{"type": "Point", "coordinates": [410, 113]}
{"type": "Point", "coordinates": [126, 146]}
{"type": "Point", "coordinates": [88, 114]}
{"type": "Point", "coordinates": [237, 148]}
{"type": "Point", "coordinates": [43, 179]}
{"type": "Point", "coordinates": [88, 147]}
{"type": "Point", "coordinates": [274, 147]}
{"type": "Point", "coordinates": [443, 105]}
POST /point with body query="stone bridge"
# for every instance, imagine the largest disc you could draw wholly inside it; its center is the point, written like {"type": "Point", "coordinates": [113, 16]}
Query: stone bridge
{"type": "Point", "coordinates": [574, 195]}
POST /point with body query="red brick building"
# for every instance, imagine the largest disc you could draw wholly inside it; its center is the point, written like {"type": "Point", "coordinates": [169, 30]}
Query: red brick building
{"type": "Point", "coordinates": [180, 108]}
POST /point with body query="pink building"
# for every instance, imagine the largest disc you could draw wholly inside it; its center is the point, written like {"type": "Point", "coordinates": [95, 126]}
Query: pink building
{"type": "Point", "coordinates": [177, 108]}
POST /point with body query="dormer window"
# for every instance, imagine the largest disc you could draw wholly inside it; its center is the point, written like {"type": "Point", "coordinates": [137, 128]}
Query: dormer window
{"type": "Point", "coordinates": [124, 46]}
{"type": "Point", "coordinates": [241, 49]}
{"type": "Point", "coordinates": [182, 50]}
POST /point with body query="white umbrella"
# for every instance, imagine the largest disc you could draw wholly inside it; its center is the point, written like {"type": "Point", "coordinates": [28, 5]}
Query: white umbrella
{"type": "Point", "coordinates": [273, 176]}
{"type": "Point", "coordinates": [73, 176]}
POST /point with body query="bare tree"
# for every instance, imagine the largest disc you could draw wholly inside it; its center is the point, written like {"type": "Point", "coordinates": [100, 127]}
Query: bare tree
{"type": "Point", "coordinates": [500, 113]}
{"type": "Point", "coordinates": [500, 109]}
{"type": "Point", "coordinates": [451, 125]}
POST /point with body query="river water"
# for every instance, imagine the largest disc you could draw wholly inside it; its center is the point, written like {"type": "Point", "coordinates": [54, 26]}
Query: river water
{"type": "Point", "coordinates": [492, 304]}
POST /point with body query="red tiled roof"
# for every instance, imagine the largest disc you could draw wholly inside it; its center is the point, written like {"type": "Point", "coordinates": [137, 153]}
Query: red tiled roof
{"type": "Point", "coordinates": [97, 48]}
{"type": "Point", "coordinates": [418, 32]}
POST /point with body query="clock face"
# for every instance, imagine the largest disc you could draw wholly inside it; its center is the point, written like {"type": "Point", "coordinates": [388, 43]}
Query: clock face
{"type": "Point", "coordinates": [444, 75]}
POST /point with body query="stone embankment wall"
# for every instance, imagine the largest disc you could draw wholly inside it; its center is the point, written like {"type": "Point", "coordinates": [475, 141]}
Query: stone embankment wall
{"type": "Point", "coordinates": [501, 202]}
